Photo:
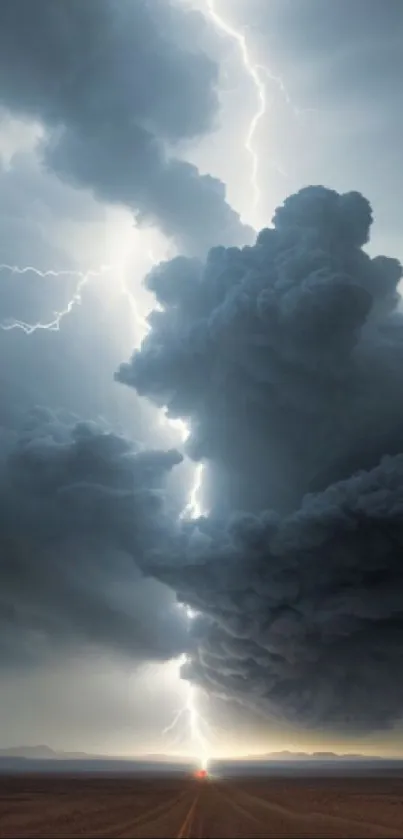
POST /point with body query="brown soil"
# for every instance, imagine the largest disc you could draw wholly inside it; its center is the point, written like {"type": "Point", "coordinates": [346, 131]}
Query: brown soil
{"type": "Point", "coordinates": [115, 807]}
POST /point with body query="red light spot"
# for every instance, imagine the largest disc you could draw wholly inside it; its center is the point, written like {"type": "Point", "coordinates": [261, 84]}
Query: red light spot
{"type": "Point", "coordinates": [201, 773]}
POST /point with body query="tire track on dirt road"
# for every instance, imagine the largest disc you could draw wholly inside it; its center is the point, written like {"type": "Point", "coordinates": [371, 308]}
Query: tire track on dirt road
{"type": "Point", "coordinates": [185, 831]}
{"type": "Point", "coordinates": [152, 819]}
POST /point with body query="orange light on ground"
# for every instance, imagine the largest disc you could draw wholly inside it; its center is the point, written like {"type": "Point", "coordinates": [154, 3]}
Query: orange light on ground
{"type": "Point", "coordinates": [201, 773]}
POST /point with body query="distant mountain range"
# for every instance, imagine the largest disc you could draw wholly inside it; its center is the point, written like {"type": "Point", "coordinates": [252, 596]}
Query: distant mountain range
{"type": "Point", "coordinates": [46, 753]}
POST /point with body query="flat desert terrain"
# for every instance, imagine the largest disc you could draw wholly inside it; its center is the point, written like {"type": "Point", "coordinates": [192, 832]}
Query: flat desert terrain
{"type": "Point", "coordinates": [114, 807]}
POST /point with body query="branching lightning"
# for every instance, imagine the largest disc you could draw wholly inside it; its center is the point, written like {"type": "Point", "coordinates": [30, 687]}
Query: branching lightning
{"type": "Point", "coordinates": [256, 72]}
{"type": "Point", "coordinates": [253, 71]}
{"type": "Point", "coordinates": [52, 325]}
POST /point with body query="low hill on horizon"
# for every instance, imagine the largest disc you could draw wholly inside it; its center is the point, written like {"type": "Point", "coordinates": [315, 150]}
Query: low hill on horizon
{"type": "Point", "coordinates": [288, 755]}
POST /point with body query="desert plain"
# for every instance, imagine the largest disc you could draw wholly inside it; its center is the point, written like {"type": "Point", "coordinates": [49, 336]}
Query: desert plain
{"type": "Point", "coordinates": [114, 807]}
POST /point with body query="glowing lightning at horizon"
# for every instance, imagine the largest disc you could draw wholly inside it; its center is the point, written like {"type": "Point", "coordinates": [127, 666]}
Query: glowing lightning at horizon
{"type": "Point", "coordinates": [190, 712]}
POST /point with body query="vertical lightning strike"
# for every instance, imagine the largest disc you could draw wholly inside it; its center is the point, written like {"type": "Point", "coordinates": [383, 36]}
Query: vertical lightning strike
{"type": "Point", "coordinates": [193, 509]}
{"type": "Point", "coordinates": [197, 735]}
{"type": "Point", "coordinates": [252, 70]}
{"type": "Point", "coordinates": [189, 712]}
{"type": "Point", "coordinates": [191, 717]}
{"type": "Point", "coordinates": [256, 73]}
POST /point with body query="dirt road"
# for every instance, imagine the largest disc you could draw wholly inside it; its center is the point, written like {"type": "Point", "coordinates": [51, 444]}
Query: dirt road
{"type": "Point", "coordinates": [130, 808]}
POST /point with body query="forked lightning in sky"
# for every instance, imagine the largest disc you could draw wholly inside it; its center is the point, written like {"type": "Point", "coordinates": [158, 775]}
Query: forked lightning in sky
{"type": "Point", "coordinates": [54, 324]}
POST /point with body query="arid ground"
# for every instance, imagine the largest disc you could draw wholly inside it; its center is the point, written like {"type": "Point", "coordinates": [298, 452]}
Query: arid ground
{"type": "Point", "coordinates": [115, 807]}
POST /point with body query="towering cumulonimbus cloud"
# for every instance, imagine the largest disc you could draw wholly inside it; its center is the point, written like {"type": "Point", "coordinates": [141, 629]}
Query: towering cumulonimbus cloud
{"type": "Point", "coordinates": [79, 509]}
{"type": "Point", "coordinates": [116, 93]}
{"type": "Point", "coordinates": [286, 358]}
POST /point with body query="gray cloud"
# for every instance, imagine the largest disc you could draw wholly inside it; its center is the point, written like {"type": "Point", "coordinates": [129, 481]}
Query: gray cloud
{"type": "Point", "coordinates": [116, 95]}
{"type": "Point", "coordinates": [286, 360]}
{"type": "Point", "coordinates": [79, 509]}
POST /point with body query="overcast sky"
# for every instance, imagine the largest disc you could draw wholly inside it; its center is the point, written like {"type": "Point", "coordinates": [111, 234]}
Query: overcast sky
{"type": "Point", "coordinates": [114, 158]}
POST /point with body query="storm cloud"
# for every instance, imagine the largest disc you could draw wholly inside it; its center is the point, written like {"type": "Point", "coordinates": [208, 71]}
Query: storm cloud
{"type": "Point", "coordinates": [80, 507]}
{"type": "Point", "coordinates": [286, 360]}
{"type": "Point", "coordinates": [117, 91]}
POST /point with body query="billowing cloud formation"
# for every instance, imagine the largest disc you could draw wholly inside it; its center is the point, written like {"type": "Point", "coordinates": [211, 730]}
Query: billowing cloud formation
{"type": "Point", "coordinates": [79, 509]}
{"type": "Point", "coordinates": [286, 358]}
{"type": "Point", "coordinates": [116, 94]}
{"type": "Point", "coordinates": [305, 614]}
{"type": "Point", "coordinates": [282, 345]}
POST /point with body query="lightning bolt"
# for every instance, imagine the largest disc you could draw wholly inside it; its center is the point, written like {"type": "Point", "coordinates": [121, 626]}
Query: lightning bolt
{"type": "Point", "coordinates": [193, 721]}
{"type": "Point", "coordinates": [253, 71]}
{"type": "Point", "coordinates": [54, 324]}
{"type": "Point", "coordinates": [189, 713]}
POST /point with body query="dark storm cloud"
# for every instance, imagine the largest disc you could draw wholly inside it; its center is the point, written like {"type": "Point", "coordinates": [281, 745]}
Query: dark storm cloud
{"type": "Point", "coordinates": [306, 617]}
{"type": "Point", "coordinates": [116, 95]}
{"type": "Point", "coordinates": [284, 345]}
{"type": "Point", "coordinates": [286, 358]}
{"type": "Point", "coordinates": [80, 507]}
